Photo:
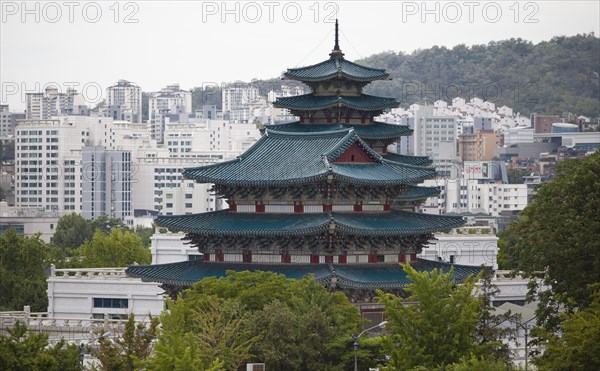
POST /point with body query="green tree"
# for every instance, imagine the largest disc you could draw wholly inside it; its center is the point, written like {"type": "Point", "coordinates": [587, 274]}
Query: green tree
{"type": "Point", "coordinates": [119, 249]}
{"type": "Point", "coordinates": [107, 224]}
{"type": "Point", "coordinates": [22, 351]}
{"type": "Point", "coordinates": [144, 233]}
{"type": "Point", "coordinates": [72, 230]}
{"type": "Point", "coordinates": [437, 327]}
{"type": "Point", "coordinates": [490, 331]}
{"type": "Point", "coordinates": [579, 346]}
{"type": "Point", "coordinates": [23, 262]}
{"type": "Point", "coordinates": [479, 364]}
{"type": "Point", "coordinates": [290, 324]}
{"type": "Point", "coordinates": [129, 352]}
{"type": "Point", "coordinates": [559, 234]}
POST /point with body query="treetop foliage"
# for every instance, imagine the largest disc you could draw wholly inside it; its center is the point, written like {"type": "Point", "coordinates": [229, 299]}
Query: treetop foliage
{"type": "Point", "coordinates": [559, 234]}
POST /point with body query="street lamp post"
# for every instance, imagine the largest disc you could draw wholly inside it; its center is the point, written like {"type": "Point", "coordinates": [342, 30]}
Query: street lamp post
{"type": "Point", "coordinates": [83, 347]}
{"type": "Point", "coordinates": [356, 337]}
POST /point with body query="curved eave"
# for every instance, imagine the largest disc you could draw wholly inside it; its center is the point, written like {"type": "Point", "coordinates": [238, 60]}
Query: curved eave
{"type": "Point", "coordinates": [392, 223]}
{"type": "Point", "coordinates": [245, 225]}
{"type": "Point", "coordinates": [335, 68]}
{"type": "Point", "coordinates": [406, 159]}
{"type": "Point", "coordinates": [347, 276]}
{"type": "Point", "coordinates": [416, 193]}
{"type": "Point", "coordinates": [397, 223]}
{"type": "Point", "coordinates": [370, 131]}
{"type": "Point", "coordinates": [310, 102]}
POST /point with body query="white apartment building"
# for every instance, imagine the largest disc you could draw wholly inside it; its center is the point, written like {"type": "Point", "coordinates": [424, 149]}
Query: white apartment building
{"type": "Point", "coordinates": [106, 183]}
{"type": "Point", "coordinates": [471, 196]}
{"type": "Point", "coordinates": [170, 101]}
{"type": "Point", "coordinates": [48, 164]}
{"type": "Point", "coordinates": [209, 138]}
{"type": "Point", "coordinates": [124, 101]}
{"type": "Point", "coordinates": [6, 122]}
{"type": "Point", "coordinates": [236, 96]}
{"type": "Point", "coordinates": [52, 102]}
{"type": "Point", "coordinates": [48, 155]}
{"type": "Point", "coordinates": [431, 130]}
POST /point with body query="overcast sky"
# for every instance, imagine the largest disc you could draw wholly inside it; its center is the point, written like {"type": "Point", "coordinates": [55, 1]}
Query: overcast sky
{"type": "Point", "coordinates": [155, 43]}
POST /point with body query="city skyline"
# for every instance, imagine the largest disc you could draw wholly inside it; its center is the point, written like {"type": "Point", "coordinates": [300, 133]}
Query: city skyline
{"type": "Point", "coordinates": [154, 44]}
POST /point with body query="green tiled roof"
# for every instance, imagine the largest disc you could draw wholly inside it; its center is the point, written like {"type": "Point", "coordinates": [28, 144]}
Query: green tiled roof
{"type": "Point", "coordinates": [311, 102]}
{"type": "Point", "coordinates": [352, 276]}
{"type": "Point", "coordinates": [336, 67]}
{"type": "Point", "coordinates": [405, 159]}
{"type": "Point", "coordinates": [224, 222]}
{"type": "Point", "coordinates": [415, 193]}
{"type": "Point", "coordinates": [279, 159]}
{"type": "Point", "coordinates": [374, 131]}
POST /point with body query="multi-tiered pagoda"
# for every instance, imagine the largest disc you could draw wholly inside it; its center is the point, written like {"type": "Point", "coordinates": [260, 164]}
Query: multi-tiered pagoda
{"type": "Point", "coordinates": [321, 195]}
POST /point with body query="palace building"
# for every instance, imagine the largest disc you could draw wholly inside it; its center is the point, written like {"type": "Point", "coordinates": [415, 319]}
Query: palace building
{"type": "Point", "coordinates": [321, 195]}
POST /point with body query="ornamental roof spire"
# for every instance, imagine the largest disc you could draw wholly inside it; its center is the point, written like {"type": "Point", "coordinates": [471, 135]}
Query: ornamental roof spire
{"type": "Point", "coordinates": [336, 52]}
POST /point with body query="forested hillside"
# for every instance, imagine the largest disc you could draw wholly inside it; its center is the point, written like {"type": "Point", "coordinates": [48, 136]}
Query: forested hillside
{"type": "Point", "coordinates": [550, 77]}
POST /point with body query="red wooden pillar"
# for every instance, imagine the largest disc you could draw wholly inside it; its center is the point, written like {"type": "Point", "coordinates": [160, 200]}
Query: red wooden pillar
{"type": "Point", "coordinates": [206, 257]}
{"type": "Point", "coordinates": [327, 208]}
{"type": "Point", "coordinates": [372, 258]}
{"type": "Point", "coordinates": [314, 259]}
{"type": "Point", "coordinates": [342, 259]}
{"type": "Point", "coordinates": [298, 207]}
{"type": "Point", "coordinates": [233, 208]}
{"type": "Point", "coordinates": [401, 258]}
{"type": "Point", "coordinates": [247, 256]}
{"type": "Point", "coordinates": [358, 207]}
{"type": "Point", "coordinates": [328, 259]}
{"type": "Point", "coordinates": [413, 257]}
{"type": "Point", "coordinates": [219, 256]}
{"type": "Point", "coordinates": [286, 258]}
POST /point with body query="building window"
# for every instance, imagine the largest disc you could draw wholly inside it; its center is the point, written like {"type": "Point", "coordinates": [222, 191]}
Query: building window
{"type": "Point", "coordinates": [111, 303]}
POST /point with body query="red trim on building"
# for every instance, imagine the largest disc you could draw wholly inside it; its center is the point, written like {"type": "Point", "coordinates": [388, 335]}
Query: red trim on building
{"type": "Point", "coordinates": [219, 256]}
{"type": "Point", "coordinates": [413, 257]}
{"type": "Point", "coordinates": [329, 120]}
{"type": "Point", "coordinates": [302, 119]}
{"type": "Point", "coordinates": [247, 256]}
{"type": "Point", "coordinates": [260, 208]}
{"type": "Point", "coordinates": [342, 259]}
{"type": "Point", "coordinates": [286, 258]}
{"type": "Point", "coordinates": [354, 154]}
{"type": "Point", "coordinates": [372, 258]}
{"type": "Point", "coordinates": [206, 257]}
{"type": "Point", "coordinates": [363, 120]}
{"type": "Point", "coordinates": [358, 207]}
{"type": "Point", "coordinates": [329, 259]}
{"type": "Point", "coordinates": [327, 208]}
{"type": "Point", "coordinates": [298, 208]}
{"type": "Point", "coordinates": [314, 259]}
{"type": "Point", "coordinates": [233, 208]}
{"type": "Point", "coordinates": [401, 258]}
{"type": "Point", "coordinates": [387, 207]}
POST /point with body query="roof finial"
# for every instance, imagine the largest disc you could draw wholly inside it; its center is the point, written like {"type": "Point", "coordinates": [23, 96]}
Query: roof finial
{"type": "Point", "coordinates": [336, 52]}
{"type": "Point", "coordinates": [337, 43]}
